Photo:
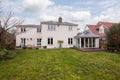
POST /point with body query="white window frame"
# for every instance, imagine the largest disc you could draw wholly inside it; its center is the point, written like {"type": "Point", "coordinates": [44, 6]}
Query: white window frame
{"type": "Point", "coordinates": [39, 41]}
{"type": "Point", "coordinates": [23, 29]}
{"type": "Point", "coordinates": [101, 30]}
{"type": "Point", "coordinates": [52, 27]}
{"type": "Point", "coordinates": [70, 41]}
{"type": "Point", "coordinates": [38, 29]}
{"type": "Point", "coordinates": [50, 41]}
{"type": "Point", "coordinates": [70, 28]}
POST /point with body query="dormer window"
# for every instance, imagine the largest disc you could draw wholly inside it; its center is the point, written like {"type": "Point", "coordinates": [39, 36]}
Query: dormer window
{"type": "Point", "coordinates": [23, 29]}
{"type": "Point", "coordinates": [52, 27]}
{"type": "Point", "coordinates": [101, 30]}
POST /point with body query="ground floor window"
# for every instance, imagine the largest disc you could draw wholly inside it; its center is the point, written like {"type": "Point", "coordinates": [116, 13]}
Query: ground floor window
{"type": "Point", "coordinates": [70, 40]}
{"type": "Point", "coordinates": [50, 41]}
{"type": "Point", "coordinates": [88, 42]}
{"type": "Point", "coordinates": [38, 41]}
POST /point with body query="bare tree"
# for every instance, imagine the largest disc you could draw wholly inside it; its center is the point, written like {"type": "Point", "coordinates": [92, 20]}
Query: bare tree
{"type": "Point", "coordinates": [7, 22]}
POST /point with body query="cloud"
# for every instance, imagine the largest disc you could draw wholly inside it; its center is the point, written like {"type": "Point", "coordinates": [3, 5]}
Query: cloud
{"type": "Point", "coordinates": [110, 14]}
{"type": "Point", "coordinates": [82, 13]}
{"type": "Point", "coordinates": [36, 5]}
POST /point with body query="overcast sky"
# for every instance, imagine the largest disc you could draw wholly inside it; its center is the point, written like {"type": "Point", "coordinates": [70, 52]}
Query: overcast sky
{"type": "Point", "coordinates": [81, 12]}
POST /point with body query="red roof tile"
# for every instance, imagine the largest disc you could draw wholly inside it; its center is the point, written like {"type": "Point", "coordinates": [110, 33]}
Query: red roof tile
{"type": "Point", "coordinates": [107, 24]}
{"type": "Point", "coordinates": [94, 28]}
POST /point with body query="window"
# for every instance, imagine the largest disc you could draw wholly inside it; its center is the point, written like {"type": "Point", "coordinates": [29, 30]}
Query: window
{"type": "Point", "coordinates": [23, 29]}
{"type": "Point", "coordinates": [38, 41]}
{"type": "Point", "coordinates": [70, 28]}
{"type": "Point", "coordinates": [101, 30]}
{"type": "Point", "coordinates": [51, 27]}
{"type": "Point", "coordinates": [30, 38]}
{"type": "Point", "coordinates": [50, 41]}
{"type": "Point", "coordinates": [39, 29]}
{"type": "Point", "coordinates": [70, 41]}
{"type": "Point", "coordinates": [54, 27]}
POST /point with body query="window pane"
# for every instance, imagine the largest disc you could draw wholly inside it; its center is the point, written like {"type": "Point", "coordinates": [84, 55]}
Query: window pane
{"type": "Point", "coordinates": [48, 27]}
{"type": "Point", "coordinates": [24, 29]}
{"type": "Point", "coordinates": [48, 40]}
{"type": "Point", "coordinates": [51, 40]}
{"type": "Point", "coordinates": [71, 40]}
{"type": "Point", "coordinates": [54, 27]}
{"type": "Point", "coordinates": [51, 27]}
{"type": "Point", "coordinates": [68, 40]}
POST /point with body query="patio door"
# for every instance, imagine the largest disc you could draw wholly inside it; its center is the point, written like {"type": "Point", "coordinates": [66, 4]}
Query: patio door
{"type": "Point", "coordinates": [23, 42]}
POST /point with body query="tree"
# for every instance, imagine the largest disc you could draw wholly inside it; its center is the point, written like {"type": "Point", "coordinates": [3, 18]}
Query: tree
{"type": "Point", "coordinates": [7, 22]}
{"type": "Point", "coordinates": [113, 37]}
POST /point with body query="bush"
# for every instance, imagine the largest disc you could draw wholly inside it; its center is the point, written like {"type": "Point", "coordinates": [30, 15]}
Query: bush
{"type": "Point", "coordinates": [5, 54]}
{"type": "Point", "coordinates": [113, 38]}
{"type": "Point", "coordinates": [44, 47]}
{"type": "Point", "coordinates": [24, 47]}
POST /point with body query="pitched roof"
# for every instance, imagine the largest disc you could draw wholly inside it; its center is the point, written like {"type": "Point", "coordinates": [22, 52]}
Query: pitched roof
{"type": "Point", "coordinates": [107, 24]}
{"type": "Point", "coordinates": [87, 34]}
{"type": "Point", "coordinates": [27, 25]}
{"type": "Point", "coordinates": [95, 28]}
{"type": "Point", "coordinates": [59, 23]}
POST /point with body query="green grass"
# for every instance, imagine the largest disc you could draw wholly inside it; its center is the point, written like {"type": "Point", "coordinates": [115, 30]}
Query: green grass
{"type": "Point", "coordinates": [61, 64]}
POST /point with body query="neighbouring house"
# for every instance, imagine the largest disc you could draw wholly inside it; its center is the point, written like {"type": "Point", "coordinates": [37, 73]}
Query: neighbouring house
{"type": "Point", "coordinates": [50, 34]}
{"type": "Point", "coordinates": [94, 36]}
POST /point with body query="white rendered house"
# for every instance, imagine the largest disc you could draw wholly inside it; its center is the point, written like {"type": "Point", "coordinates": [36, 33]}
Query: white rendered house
{"type": "Point", "coordinates": [48, 33]}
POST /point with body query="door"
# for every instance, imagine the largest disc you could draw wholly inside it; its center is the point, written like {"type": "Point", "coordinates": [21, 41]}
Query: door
{"type": "Point", "coordinates": [23, 42]}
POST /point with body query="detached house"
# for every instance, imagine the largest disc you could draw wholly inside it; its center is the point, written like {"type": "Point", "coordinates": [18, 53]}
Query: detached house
{"type": "Point", "coordinates": [52, 34]}
{"type": "Point", "coordinates": [94, 36]}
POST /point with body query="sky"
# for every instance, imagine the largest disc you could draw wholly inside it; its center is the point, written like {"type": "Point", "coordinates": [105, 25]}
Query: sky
{"type": "Point", "coordinates": [81, 12]}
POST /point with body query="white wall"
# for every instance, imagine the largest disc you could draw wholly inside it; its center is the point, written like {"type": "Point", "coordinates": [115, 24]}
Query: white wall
{"type": "Point", "coordinates": [97, 43]}
{"type": "Point", "coordinates": [61, 33]}
{"type": "Point", "coordinates": [31, 32]}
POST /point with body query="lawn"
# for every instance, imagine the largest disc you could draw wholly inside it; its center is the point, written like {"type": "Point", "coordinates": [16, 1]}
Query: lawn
{"type": "Point", "coordinates": [61, 64]}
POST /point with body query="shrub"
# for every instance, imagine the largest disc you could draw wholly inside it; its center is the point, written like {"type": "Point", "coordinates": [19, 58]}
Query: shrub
{"type": "Point", "coordinates": [113, 37]}
{"type": "Point", "coordinates": [5, 54]}
{"type": "Point", "coordinates": [44, 47]}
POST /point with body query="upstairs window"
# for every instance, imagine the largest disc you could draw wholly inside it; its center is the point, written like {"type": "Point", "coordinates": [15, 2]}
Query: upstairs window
{"type": "Point", "coordinates": [52, 27]}
{"type": "Point", "coordinates": [101, 30]}
{"type": "Point", "coordinates": [23, 29]}
{"type": "Point", "coordinates": [70, 41]}
{"type": "Point", "coordinates": [39, 29]}
{"type": "Point", "coordinates": [50, 41]}
{"type": "Point", "coordinates": [70, 28]}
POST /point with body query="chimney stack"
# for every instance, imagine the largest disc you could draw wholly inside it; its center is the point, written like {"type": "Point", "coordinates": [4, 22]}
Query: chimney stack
{"type": "Point", "coordinates": [60, 20]}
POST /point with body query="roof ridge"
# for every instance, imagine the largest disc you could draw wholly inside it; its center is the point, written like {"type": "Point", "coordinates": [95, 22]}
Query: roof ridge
{"type": "Point", "coordinates": [106, 21]}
